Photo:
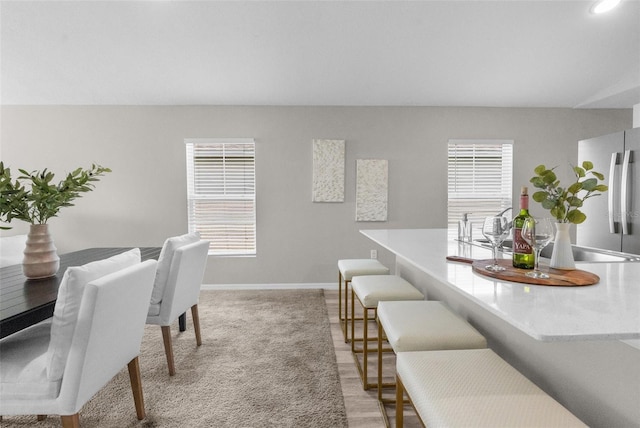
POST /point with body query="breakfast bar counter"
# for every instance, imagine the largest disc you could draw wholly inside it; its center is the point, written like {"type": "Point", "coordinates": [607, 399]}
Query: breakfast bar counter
{"type": "Point", "coordinates": [578, 343]}
{"type": "Point", "coordinates": [607, 310]}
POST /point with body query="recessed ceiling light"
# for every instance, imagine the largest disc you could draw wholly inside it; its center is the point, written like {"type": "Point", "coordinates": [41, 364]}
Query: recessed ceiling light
{"type": "Point", "coordinates": [602, 6]}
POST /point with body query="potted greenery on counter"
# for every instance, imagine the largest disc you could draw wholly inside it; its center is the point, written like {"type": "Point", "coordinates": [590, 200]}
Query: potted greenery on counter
{"type": "Point", "coordinates": [564, 204]}
{"type": "Point", "coordinates": [33, 197]}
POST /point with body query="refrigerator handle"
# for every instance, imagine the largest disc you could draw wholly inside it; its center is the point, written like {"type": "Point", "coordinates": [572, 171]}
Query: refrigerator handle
{"type": "Point", "coordinates": [624, 182]}
{"type": "Point", "coordinates": [612, 181]}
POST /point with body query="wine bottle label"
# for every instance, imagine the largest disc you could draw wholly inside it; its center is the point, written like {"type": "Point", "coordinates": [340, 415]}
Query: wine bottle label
{"type": "Point", "coordinates": [520, 246]}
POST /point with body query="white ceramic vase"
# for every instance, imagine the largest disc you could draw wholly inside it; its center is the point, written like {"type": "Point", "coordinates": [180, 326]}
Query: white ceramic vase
{"type": "Point", "coordinates": [562, 255]}
{"type": "Point", "coordinates": [40, 255]}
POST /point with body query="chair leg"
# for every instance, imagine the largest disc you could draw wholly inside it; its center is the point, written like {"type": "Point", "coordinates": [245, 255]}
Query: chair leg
{"type": "Point", "coordinates": [340, 319]}
{"type": "Point", "coordinates": [168, 348]}
{"type": "Point", "coordinates": [136, 386]}
{"type": "Point", "coordinates": [380, 332]}
{"type": "Point", "coordinates": [342, 316]}
{"type": "Point", "coordinates": [70, 421]}
{"type": "Point", "coordinates": [399, 403]}
{"type": "Point", "coordinates": [353, 328]}
{"type": "Point", "coordinates": [196, 323]}
{"type": "Point", "coordinates": [182, 322]}
{"type": "Point", "coordinates": [346, 311]}
{"type": "Point", "coordinates": [365, 349]}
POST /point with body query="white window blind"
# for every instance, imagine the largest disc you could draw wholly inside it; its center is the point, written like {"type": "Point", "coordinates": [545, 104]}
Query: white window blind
{"type": "Point", "coordinates": [222, 193]}
{"type": "Point", "coordinates": [480, 179]}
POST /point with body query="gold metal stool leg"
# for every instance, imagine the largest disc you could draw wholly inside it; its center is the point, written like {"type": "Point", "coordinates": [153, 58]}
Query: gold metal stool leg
{"type": "Point", "coordinates": [341, 319]}
{"type": "Point", "coordinates": [353, 317]}
{"type": "Point", "coordinates": [363, 368]}
{"type": "Point", "coordinates": [399, 403]}
{"type": "Point", "coordinates": [381, 400]}
{"type": "Point", "coordinates": [343, 316]}
{"type": "Point", "coordinates": [346, 312]}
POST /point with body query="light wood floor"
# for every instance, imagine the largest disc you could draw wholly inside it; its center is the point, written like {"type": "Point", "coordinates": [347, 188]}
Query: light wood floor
{"type": "Point", "coordinates": [362, 406]}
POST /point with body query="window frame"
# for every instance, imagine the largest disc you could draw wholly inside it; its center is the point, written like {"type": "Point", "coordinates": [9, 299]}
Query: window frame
{"type": "Point", "coordinates": [227, 184]}
{"type": "Point", "coordinates": [474, 187]}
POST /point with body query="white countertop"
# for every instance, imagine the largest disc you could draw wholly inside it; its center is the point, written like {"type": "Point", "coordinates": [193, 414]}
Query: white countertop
{"type": "Point", "coordinates": [608, 310]}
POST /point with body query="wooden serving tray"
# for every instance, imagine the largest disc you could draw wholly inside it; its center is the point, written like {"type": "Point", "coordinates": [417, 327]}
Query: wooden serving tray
{"type": "Point", "coordinates": [567, 278]}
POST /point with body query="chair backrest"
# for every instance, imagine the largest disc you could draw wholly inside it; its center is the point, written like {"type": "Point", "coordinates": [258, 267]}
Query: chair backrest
{"type": "Point", "coordinates": [164, 262]}
{"type": "Point", "coordinates": [108, 333]}
{"type": "Point", "coordinates": [185, 278]}
{"type": "Point", "coordinates": [12, 250]}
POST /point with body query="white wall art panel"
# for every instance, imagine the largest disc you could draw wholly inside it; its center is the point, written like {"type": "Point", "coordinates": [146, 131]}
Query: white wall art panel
{"type": "Point", "coordinates": [372, 176]}
{"type": "Point", "coordinates": [328, 170]}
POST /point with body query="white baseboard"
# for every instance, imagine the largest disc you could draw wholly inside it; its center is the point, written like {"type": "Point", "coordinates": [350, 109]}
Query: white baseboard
{"type": "Point", "coordinates": [323, 285]}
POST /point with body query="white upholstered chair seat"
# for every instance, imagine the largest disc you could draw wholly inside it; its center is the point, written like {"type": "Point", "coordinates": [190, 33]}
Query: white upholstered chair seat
{"type": "Point", "coordinates": [423, 325]}
{"type": "Point", "coordinates": [23, 371]}
{"type": "Point", "coordinates": [357, 267]}
{"type": "Point", "coordinates": [372, 289]}
{"type": "Point", "coordinates": [426, 325]}
{"type": "Point", "coordinates": [476, 388]}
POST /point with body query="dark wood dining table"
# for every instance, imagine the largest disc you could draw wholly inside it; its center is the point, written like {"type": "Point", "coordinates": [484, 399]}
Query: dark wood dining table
{"type": "Point", "coordinates": [24, 302]}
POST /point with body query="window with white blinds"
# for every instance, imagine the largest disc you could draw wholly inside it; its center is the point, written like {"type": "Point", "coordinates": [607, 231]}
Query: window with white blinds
{"type": "Point", "coordinates": [222, 194]}
{"type": "Point", "coordinates": [480, 179]}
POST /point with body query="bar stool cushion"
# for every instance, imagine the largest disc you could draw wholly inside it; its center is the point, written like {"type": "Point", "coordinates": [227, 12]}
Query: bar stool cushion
{"type": "Point", "coordinates": [354, 267]}
{"type": "Point", "coordinates": [476, 388]}
{"type": "Point", "coordinates": [426, 325]}
{"type": "Point", "coordinates": [372, 289]}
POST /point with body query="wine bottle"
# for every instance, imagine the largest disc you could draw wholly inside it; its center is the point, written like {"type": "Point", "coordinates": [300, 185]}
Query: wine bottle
{"type": "Point", "coordinates": [523, 256]}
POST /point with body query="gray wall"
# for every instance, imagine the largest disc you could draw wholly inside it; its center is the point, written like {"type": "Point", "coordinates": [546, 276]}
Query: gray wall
{"type": "Point", "coordinates": [144, 200]}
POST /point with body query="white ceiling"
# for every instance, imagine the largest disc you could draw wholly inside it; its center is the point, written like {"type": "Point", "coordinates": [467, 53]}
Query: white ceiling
{"type": "Point", "coordinates": [509, 53]}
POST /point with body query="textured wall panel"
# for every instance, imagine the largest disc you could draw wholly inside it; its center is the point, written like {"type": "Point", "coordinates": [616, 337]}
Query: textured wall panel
{"type": "Point", "coordinates": [328, 170]}
{"type": "Point", "coordinates": [372, 177]}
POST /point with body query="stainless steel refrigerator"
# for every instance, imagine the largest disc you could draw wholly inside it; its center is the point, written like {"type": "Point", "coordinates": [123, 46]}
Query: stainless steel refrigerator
{"type": "Point", "coordinates": [613, 219]}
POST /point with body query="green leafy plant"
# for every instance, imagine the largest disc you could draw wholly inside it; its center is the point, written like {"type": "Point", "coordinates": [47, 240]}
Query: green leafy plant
{"type": "Point", "coordinates": [565, 203]}
{"type": "Point", "coordinates": [44, 199]}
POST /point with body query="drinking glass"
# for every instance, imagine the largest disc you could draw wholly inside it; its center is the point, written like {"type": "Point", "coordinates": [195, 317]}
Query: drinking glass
{"type": "Point", "coordinates": [495, 229]}
{"type": "Point", "coordinates": [537, 232]}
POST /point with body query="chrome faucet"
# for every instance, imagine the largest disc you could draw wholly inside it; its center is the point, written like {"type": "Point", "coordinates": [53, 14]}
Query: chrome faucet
{"type": "Point", "coordinates": [501, 214]}
{"type": "Point", "coordinates": [510, 222]}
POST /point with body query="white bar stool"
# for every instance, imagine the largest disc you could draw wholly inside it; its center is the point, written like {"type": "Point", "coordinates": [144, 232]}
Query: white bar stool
{"type": "Point", "coordinates": [370, 290]}
{"type": "Point", "coordinates": [347, 269]}
{"type": "Point", "coordinates": [424, 325]}
{"type": "Point", "coordinates": [474, 388]}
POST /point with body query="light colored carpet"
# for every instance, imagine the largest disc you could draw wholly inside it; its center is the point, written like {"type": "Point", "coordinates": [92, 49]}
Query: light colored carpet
{"type": "Point", "coordinates": [267, 360]}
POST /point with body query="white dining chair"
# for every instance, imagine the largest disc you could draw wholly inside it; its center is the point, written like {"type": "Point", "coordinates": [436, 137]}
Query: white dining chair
{"type": "Point", "coordinates": [186, 262]}
{"type": "Point", "coordinates": [56, 366]}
